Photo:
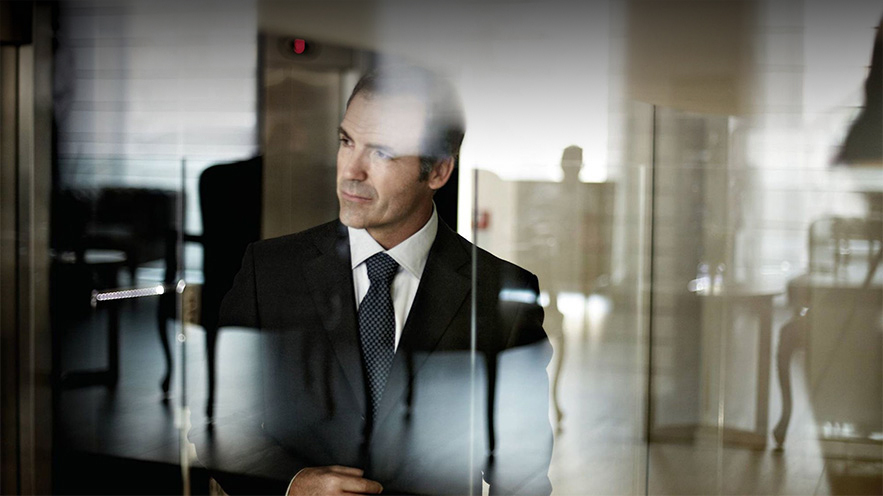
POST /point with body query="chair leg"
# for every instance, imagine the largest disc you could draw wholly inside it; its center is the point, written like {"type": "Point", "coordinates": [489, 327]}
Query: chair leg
{"type": "Point", "coordinates": [560, 345]}
{"type": "Point", "coordinates": [166, 303]}
{"type": "Point", "coordinates": [554, 325]}
{"type": "Point", "coordinates": [791, 339]}
{"type": "Point", "coordinates": [211, 339]}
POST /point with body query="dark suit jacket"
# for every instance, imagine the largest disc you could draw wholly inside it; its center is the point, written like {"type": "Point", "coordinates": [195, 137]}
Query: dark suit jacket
{"type": "Point", "coordinates": [446, 417]}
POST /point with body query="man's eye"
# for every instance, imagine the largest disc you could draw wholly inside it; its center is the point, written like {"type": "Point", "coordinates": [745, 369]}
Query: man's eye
{"type": "Point", "coordinates": [345, 141]}
{"type": "Point", "coordinates": [382, 155]}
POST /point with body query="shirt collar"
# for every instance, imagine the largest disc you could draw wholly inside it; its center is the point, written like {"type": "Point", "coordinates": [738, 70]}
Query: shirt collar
{"type": "Point", "coordinates": [411, 253]}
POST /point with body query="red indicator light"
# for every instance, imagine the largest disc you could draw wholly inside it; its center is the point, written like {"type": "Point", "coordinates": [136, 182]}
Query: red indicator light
{"type": "Point", "coordinates": [299, 46]}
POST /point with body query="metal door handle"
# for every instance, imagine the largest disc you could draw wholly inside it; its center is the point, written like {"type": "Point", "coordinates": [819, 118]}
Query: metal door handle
{"type": "Point", "coordinates": [125, 294]}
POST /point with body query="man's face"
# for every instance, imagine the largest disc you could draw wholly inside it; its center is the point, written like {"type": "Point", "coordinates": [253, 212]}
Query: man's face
{"type": "Point", "coordinates": [378, 168]}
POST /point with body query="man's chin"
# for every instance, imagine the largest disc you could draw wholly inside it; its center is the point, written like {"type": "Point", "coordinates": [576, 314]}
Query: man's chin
{"type": "Point", "coordinates": [354, 221]}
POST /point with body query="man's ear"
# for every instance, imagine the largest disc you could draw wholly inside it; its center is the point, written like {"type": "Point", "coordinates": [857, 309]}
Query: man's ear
{"type": "Point", "coordinates": [440, 173]}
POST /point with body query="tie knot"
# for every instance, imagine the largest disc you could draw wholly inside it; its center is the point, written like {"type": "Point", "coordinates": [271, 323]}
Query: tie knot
{"type": "Point", "coordinates": [381, 268]}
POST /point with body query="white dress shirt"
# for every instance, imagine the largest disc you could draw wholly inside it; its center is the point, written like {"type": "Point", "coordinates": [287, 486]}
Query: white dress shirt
{"type": "Point", "coordinates": [411, 255]}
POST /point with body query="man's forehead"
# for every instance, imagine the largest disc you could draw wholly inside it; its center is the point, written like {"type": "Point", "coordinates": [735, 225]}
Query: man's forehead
{"type": "Point", "coordinates": [395, 121]}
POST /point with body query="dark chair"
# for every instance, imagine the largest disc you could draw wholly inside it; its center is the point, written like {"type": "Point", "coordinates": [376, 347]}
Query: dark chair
{"type": "Point", "coordinates": [230, 203]}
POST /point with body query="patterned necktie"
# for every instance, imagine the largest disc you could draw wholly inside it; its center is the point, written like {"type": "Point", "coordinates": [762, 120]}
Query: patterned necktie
{"type": "Point", "coordinates": [377, 325]}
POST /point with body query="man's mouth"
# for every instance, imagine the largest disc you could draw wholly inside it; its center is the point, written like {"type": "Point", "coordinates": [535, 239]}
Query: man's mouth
{"type": "Point", "coordinates": [354, 198]}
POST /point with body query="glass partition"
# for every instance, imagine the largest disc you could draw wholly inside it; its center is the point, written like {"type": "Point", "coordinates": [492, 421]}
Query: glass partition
{"type": "Point", "coordinates": [654, 268]}
{"type": "Point", "coordinates": [765, 322]}
{"type": "Point", "coordinates": [588, 250]}
{"type": "Point", "coordinates": [146, 98]}
{"type": "Point", "coordinates": [116, 304]}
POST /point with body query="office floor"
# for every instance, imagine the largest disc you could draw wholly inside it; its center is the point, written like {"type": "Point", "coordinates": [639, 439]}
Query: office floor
{"type": "Point", "coordinates": [599, 449]}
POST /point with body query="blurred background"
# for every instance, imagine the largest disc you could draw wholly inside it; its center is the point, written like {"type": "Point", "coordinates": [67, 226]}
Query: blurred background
{"type": "Point", "coordinates": [698, 185]}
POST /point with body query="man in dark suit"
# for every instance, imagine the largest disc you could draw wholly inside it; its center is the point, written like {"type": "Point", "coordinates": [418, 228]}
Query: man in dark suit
{"type": "Point", "coordinates": [397, 357]}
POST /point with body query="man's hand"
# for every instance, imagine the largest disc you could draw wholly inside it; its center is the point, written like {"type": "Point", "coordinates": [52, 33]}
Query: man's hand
{"type": "Point", "coordinates": [332, 480]}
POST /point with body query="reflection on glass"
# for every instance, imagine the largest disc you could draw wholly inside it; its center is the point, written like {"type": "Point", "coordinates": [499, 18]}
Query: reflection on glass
{"type": "Point", "coordinates": [766, 317]}
{"type": "Point", "coordinates": [696, 186]}
{"type": "Point", "coordinates": [145, 97]}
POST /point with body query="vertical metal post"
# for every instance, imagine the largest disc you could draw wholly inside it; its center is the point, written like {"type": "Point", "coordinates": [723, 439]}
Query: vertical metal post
{"type": "Point", "coordinates": [9, 342]}
{"type": "Point", "coordinates": [473, 339]}
{"type": "Point", "coordinates": [652, 288]}
{"type": "Point", "coordinates": [181, 336]}
{"type": "Point", "coordinates": [25, 185]}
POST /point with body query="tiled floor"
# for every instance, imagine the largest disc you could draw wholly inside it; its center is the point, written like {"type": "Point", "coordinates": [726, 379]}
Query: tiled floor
{"type": "Point", "coordinates": [599, 450]}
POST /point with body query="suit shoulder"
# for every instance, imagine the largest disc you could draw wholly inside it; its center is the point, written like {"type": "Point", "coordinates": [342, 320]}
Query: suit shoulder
{"type": "Point", "coordinates": [491, 265]}
{"type": "Point", "coordinates": [302, 242]}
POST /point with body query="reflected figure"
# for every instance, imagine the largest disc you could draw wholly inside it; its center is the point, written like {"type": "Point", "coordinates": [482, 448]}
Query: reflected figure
{"type": "Point", "coordinates": [863, 144]}
{"type": "Point", "coordinates": [837, 303]}
{"type": "Point", "coordinates": [367, 327]}
{"type": "Point", "coordinates": [560, 231]}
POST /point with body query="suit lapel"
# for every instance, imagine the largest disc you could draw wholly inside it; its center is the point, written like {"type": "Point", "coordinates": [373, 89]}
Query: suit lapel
{"type": "Point", "coordinates": [444, 286]}
{"type": "Point", "coordinates": [330, 278]}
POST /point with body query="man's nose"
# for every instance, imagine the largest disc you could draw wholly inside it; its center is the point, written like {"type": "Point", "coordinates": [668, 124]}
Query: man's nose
{"type": "Point", "coordinates": [354, 164]}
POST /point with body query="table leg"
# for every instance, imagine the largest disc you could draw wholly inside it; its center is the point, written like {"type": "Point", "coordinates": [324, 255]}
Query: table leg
{"type": "Point", "coordinates": [763, 368]}
{"type": "Point", "coordinates": [109, 375]}
{"type": "Point", "coordinates": [113, 344]}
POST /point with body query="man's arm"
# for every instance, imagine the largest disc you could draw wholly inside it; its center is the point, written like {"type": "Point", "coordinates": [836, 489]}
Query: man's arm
{"type": "Point", "coordinates": [238, 453]}
{"type": "Point", "coordinates": [236, 450]}
{"type": "Point", "coordinates": [239, 307]}
{"type": "Point", "coordinates": [242, 458]}
{"type": "Point", "coordinates": [523, 433]}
